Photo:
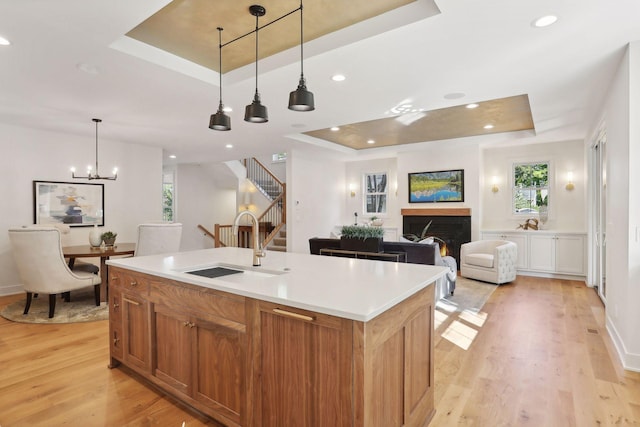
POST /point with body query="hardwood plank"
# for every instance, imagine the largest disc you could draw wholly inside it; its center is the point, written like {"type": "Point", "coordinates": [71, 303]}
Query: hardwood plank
{"type": "Point", "coordinates": [533, 362]}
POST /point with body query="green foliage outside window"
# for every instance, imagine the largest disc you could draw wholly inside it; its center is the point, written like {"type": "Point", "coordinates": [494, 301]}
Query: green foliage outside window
{"type": "Point", "coordinates": [531, 187]}
{"type": "Point", "coordinates": [167, 201]}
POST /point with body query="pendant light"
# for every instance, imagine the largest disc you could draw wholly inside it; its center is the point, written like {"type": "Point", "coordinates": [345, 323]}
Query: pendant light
{"type": "Point", "coordinates": [256, 112]}
{"type": "Point", "coordinates": [301, 99]}
{"type": "Point", "coordinates": [219, 120]}
{"type": "Point", "coordinates": [95, 174]}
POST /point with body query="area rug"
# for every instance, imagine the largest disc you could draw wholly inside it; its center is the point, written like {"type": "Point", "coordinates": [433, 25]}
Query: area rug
{"type": "Point", "coordinates": [81, 308]}
{"type": "Point", "coordinates": [470, 295]}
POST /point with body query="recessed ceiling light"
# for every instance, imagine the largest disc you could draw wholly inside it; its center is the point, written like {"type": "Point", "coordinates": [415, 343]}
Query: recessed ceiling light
{"type": "Point", "coordinates": [455, 95]}
{"type": "Point", "coordinates": [472, 106]}
{"type": "Point", "coordinates": [4, 42]}
{"type": "Point", "coordinates": [544, 21]}
{"type": "Point", "coordinates": [488, 126]}
{"type": "Point", "coordinates": [335, 128]}
{"type": "Point", "coordinates": [87, 68]}
{"type": "Point", "coordinates": [172, 156]}
{"type": "Point", "coordinates": [338, 78]}
{"type": "Point", "coordinates": [371, 141]}
{"type": "Point", "coordinates": [229, 146]}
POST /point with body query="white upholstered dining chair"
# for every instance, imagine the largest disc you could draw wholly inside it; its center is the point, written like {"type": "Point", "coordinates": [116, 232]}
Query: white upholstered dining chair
{"type": "Point", "coordinates": [37, 252]}
{"type": "Point", "coordinates": [158, 238]}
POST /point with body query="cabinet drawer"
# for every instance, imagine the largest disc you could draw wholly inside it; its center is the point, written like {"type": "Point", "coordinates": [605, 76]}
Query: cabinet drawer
{"type": "Point", "coordinates": [209, 302]}
{"type": "Point", "coordinates": [129, 281]}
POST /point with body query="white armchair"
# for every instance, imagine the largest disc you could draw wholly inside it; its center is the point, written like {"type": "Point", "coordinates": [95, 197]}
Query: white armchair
{"type": "Point", "coordinates": [489, 260]}
{"type": "Point", "coordinates": [37, 252]}
{"type": "Point", "coordinates": [158, 238]}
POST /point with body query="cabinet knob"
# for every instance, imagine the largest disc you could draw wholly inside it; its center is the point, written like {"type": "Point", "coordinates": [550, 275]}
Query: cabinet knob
{"type": "Point", "coordinates": [116, 341]}
{"type": "Point", "coordinates": [116, 305]}
{"type": "Point", "coordinates": [114, 278]}
{"type": "Point", "coordinates": [189, 324]}
{"type": "Point", "coordinates": [134, 283]}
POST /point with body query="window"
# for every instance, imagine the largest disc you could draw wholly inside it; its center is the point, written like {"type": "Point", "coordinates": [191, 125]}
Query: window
{"type": "Point", "coordinates": [168, 206]}
{"type": "Point", "coordinates": [279, 158]}
{"type": "Point", "coordinates": [530, 187]}
{"type": "Point", "coordinates": [375, 197]}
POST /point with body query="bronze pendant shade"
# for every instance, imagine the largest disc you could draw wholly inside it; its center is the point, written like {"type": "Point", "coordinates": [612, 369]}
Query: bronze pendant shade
{"type": "Point", "coordinates": [256, 112]}
{"type": "Point", "coordinates": [301, 99]}
{"type": "Point", "coordinates": [219, 120]}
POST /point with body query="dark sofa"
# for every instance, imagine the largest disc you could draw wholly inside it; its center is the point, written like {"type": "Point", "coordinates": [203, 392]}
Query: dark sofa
{"type": "Point", "coordinates": [415, 253]}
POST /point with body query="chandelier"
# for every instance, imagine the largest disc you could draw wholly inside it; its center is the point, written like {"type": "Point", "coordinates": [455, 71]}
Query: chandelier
{"type": "Point", "coordinates": [94, 174]}
{"type": "Point", "coordinates": [300, 99]}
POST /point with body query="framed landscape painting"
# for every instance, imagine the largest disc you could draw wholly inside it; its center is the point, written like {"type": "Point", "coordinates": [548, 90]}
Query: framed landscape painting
{"type": "Point", "coordinates": [71, 203]}
{"type": "Point", "coordinates": [437, 186]}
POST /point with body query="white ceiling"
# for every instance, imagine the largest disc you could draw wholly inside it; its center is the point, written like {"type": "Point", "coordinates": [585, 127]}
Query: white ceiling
{"type": "Point", "coordinates": [484, 49]}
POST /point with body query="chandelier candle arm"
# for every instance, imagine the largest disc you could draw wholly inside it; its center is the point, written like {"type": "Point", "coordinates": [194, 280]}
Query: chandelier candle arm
{"type": "Point", "coordinates": [95, 175]}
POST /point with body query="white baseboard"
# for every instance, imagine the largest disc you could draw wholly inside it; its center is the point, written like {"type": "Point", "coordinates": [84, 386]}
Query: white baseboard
{"type": "Point", "coordinates": [552, 275]}
{"type": "Point", "coordinates": [11, 290]}
{"type": "Point", "coordinates": [630, 361]}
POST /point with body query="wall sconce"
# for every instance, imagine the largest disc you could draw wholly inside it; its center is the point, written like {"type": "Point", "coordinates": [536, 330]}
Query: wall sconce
{"type": "Point", "coordinates": [494, 181]}
{"type": "Point", "coordinates": [570, 185]}
{"type": "Point", "coordinates": [352, 189]}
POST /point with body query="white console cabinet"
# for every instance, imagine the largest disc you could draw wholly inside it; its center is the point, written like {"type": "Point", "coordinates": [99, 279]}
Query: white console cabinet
{"type": "Point", "coordinates": [546, 253]}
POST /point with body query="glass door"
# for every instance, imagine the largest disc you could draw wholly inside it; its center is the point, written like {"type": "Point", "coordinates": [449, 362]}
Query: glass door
{"type": "Point", "coordinates": [600, 220]}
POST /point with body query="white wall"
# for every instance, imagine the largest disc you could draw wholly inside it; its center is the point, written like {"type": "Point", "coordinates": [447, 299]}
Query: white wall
{"type": "Point", "coordinates": [354, 175]}
{"type": "Point", "coordinates": [30, 154]}
{"type": "Point", "coordinates": [568, 209]}
{"type": "Point", "coordinates": [622, 123]}
{"type": "Point", "coordinates": [315, 197]}
{"type": "Point", "coordinates": [200, 201]}
{"type": "Point", "coordinates": [444, 155]}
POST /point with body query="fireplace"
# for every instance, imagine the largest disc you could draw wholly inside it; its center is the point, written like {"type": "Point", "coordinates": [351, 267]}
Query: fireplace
{"type": "Point", "coordinates": [453, 226]}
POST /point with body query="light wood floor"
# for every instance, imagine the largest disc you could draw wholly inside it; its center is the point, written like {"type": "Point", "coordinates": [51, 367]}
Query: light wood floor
{"type": "Point", "coordinates": [542, 357]}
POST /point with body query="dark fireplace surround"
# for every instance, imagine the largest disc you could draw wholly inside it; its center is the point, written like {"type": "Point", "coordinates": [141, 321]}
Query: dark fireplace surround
{"type": "Point", "coordinates": [452, 225]}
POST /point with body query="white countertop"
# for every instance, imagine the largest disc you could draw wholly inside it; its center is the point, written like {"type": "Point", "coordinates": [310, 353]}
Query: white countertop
{"type": "Point", "coordinates": [350, 288]}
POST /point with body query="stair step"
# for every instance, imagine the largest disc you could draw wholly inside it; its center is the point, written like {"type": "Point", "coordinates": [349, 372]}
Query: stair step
{"type": "Point", "coordinates": [283, 234]}
{"type": "Point", "coordinates": [279, 241]}
{"type": "Point", "coordinates": [277, 248]}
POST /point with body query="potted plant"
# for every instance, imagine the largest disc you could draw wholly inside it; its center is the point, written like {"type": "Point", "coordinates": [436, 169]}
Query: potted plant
{"type": "Point", "coordinates": [109, 238]}
{"type": "Point", "coordinates": [361, 238]}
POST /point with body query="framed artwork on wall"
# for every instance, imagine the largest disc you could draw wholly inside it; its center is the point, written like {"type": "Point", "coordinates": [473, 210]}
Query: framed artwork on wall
{"type": "Point", "coordinates": [71, 203]}
{"type": "Point", "coordinates": [436, 186]}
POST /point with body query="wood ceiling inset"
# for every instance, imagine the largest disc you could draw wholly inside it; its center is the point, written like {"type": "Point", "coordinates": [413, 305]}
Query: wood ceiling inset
{"type": "Point", "coordinates": [505, 114]}
{"type": "Point", "coordinates": [187, 28]}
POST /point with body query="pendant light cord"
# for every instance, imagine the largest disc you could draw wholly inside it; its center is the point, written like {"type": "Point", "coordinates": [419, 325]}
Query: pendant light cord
{"type": "Point", "coordinates": [257, 54]}
{"type": "Point", "coordinates": [301, 43]}
{"type": "Point", "coordinates": [220, 58]}
{"type": "Point", "coordinates": [97, 121]}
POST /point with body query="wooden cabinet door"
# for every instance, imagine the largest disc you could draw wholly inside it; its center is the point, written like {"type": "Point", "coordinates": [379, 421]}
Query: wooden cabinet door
{"type": "Point", "coordinates": [172, 336]}
{"type": "Point", "coordinates": [218, 351]}
{"type": "Point", "coordinates": [135, 323]}
{"type": "Point", "coordinates": [116, 342]}
{"type": "Point", "coordinates": [305, 368]}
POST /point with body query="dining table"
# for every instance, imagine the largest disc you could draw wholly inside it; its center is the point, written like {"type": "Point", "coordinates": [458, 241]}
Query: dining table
{"type": "Point", "coordinates": [104, 252]}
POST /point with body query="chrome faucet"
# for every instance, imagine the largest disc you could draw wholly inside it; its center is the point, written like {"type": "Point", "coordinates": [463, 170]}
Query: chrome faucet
{"type": "Point", "coordinates": [255, 230]}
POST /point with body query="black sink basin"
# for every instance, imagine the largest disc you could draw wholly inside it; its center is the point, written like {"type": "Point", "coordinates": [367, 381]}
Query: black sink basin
{"type": "Point", "coordinates": [215, 272]}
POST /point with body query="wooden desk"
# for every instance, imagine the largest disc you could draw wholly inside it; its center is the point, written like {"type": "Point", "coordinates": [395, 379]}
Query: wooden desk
{"type": "Point", "coordinates": [87, 251]}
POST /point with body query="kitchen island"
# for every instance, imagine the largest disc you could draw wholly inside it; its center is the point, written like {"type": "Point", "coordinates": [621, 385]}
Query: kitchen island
{"type": "Point", "coordinates": [302, 340]}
